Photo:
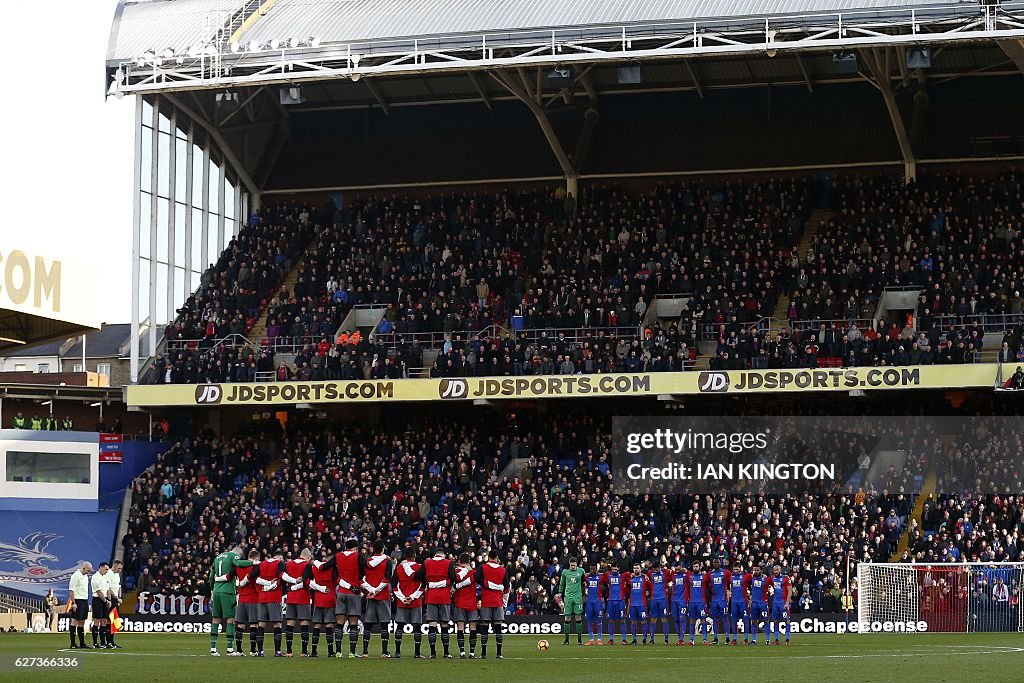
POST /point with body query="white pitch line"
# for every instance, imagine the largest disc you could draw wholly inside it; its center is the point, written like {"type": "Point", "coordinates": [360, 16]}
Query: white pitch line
{"type": "Point", "coordinates": [993, 650]}
{"type": "Point", "coordinates": [78, 651]}
{"type": "Point", "coordinates": [988, 650]}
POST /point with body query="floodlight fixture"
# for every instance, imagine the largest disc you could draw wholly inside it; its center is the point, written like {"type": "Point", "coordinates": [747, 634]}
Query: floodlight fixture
{"type": "Point", "coordinates": [274, 43]}
{"type": "Point", "coordinates": [254, 46]}
{"type": "Point", "coordinates": [235, 46]}
{"type": "Point", "coordinates": [314, 41]}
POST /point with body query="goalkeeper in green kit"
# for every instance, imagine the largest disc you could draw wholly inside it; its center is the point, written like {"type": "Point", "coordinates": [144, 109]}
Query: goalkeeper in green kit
{"type": "Point", "coordinates": [570, 595]}
{"type": "Point", "coordinates": [224, 595]}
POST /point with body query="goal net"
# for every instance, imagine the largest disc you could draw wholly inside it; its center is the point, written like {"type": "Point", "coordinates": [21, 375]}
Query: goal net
{"type": "Point", "coordinates": [940, 597]}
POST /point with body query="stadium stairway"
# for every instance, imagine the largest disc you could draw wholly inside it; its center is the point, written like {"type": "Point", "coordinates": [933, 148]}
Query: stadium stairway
{"type": "Point", "coordinates": [259, 331]}
{"type": "Point", "coordinates": [806, 240]}
{"type": "Point", "coordinates": [926, 493]}
{"type": "Point", "coordinates": [779, 319]}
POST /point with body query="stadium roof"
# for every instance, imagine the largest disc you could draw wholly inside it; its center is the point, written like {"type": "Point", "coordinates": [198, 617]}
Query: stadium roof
{"type": "Point", "coordinates": [366, 20]}
{"type": "Point", "coordinates": [19, 330]}
{"type": "Point", "coordinates": [140, 25]}
{"type": "Point", "coordinates": [167, 45]}
{"type": "Point", "coordinates": [252, 75]}
{"type": "Point", "coordinates": [107, 342]}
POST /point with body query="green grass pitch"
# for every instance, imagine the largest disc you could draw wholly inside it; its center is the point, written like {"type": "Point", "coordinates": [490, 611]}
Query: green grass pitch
{"type": "Point", "coordinates": [931, 658]}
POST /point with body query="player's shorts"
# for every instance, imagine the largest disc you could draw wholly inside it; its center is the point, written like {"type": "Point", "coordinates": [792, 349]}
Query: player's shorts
{"type": "Point", "coordinates": [439, 613]}
{"type": "Point", "coordinates": [592, 610]}
{"type": "Point", "coordinates": [738, 610]}
{"type": "Point", "coordinates": [679, 609]}
{"type": "Point", "coordinates": [222, 605]}
{"type": "Point", "coordinates": [616, 609]}
{"type": "Point", "coordinates": [269, 612]}
{"type": "Point", "coordinates": [100, 609]}
{"type": "Point", "coordinates": [347, 605]}
{"type": "Point", "coordinates": [492, 614]}
{"type": "Point", "coordinates": [247, 613]}
{"type": "Point", "coordinates": [758, 611]}
{"type": "Point", "coordinates": [637, 612]}
{"type": "Point", "coordinates": [696, 610]}
{"type": "Point", "coordinates": [780, 612]}
{"type": "Point", "coordinates": [465, 615]}
{"type": "Point", "coordinates": [323, 615]}
{"type": "Point", "coordinates": [81, 610]}
{"type": "Point", "coordinates": [377, 612]}
{"type": "Point", "coordinates": [719, 609]}
{"type": "Point", "coordinates": [657, 609]}
{"type": "Point", "coordinates": [409, 615]}
{"type": "Point", "coordinates": [572, 606]}
{"type": "Point", "coordinates": [297, 612]}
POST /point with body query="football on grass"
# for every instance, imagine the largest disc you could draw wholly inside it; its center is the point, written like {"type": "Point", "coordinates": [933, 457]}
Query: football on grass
{"type": "Point", "coordinates": [543, 645]}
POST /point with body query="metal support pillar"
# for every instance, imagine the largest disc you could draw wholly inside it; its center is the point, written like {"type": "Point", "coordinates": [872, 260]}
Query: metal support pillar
{"type": "Point", "coordinates": [1014, 49]}
{"type": "Point", "coordinates": [136, 240]}
{"type": "Point", "coordinates": [878, 63]}
{"type": "Point", "coordinates": [189, 194]}
{"type": "Point", "coordinates": [519, 90]}
{"type": "Point", "coordinates": [154, 216]}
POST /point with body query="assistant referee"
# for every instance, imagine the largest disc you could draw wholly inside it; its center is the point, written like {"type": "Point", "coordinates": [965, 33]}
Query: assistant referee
{"type": "Point", "coordinates": [78, 588]}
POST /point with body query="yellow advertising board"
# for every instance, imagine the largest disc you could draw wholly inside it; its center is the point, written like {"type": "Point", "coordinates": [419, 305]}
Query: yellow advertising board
{"type": "Point", "coordinates": [567, 386]}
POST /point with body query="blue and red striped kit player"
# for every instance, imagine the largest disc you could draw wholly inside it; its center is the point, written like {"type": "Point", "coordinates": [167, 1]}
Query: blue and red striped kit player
{"type": "Point", "coordinates": [758, 604]}
{"type": "Point", "coordinates": [739, 604]}
{"type": "Point", "coordinates": [658, 609]}
{"type": "Point", "coordinates": [615, 589]}
{"type": "Point", "coordinates": [696, 599]}
{"type": "Point", "coordinates": [719, 579]}
{"type": "Point", "coordinates": [639, 594]}
{"type": "Point", "coordinates": [593, 608]}
{"type": "Point", "coordinates": [782, 593]}
{"type": "Point", "coordinates": [678, 606]}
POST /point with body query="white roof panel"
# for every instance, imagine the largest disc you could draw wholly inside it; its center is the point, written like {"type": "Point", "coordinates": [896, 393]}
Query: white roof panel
{"type": "Point", "coordinates": [142, 25]}
{"type": "Point", "coordinates": [365, 20]}
{"type": "Point", "coordinates": [155, 24]}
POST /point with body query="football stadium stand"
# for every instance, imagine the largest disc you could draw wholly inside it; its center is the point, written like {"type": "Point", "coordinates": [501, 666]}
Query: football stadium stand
{"type": "Point", "coordinates": [554, 191]}
{"type": "Point", "coordinates": [514, 283]}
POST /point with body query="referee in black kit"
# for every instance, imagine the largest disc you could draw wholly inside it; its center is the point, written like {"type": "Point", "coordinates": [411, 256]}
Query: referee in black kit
{"type": "Point", "coordinates": [78, 588]}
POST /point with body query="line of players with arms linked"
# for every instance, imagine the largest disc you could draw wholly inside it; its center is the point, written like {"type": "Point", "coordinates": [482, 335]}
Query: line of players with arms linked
{"type": "Point", "coordinates": [716, 600]}
{"type": "Point", "coordinates": [329, 596]}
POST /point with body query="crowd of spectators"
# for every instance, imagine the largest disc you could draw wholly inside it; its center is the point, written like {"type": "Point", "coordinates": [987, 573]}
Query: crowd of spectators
{"type": "Point", "coordinates": [440, 481]}
{"type": "Point", "coordinates": [457, 264]}
{"type": "Point", "coordinates": [233, 293]}
{"type": "Point", "coordinates": [954, 235]}
{"type": "Point", "coordinates": [491, 271]}
{"type": "Point", "coordinates": [661, 348]}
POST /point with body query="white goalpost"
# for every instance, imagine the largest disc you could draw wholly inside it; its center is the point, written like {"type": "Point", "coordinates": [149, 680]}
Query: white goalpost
{"type": "Point", "coordinates": [956, 598]}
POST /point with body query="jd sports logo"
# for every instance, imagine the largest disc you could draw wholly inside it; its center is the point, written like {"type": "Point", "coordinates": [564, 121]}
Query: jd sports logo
{"type": "Point", "coordinates": [208, 393]}
{"type": "Point", "coordinates": [453, 388]}
{"type": "Point", "coordinates": [713, 382]}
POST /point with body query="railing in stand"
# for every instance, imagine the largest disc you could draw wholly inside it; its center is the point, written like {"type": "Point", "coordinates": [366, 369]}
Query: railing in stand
{"type": "Point", "coordinates": [989, 323]}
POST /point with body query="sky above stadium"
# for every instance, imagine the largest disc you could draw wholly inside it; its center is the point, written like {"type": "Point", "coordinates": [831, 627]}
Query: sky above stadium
{"type": "Point", "coordinates": [67, 152]}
